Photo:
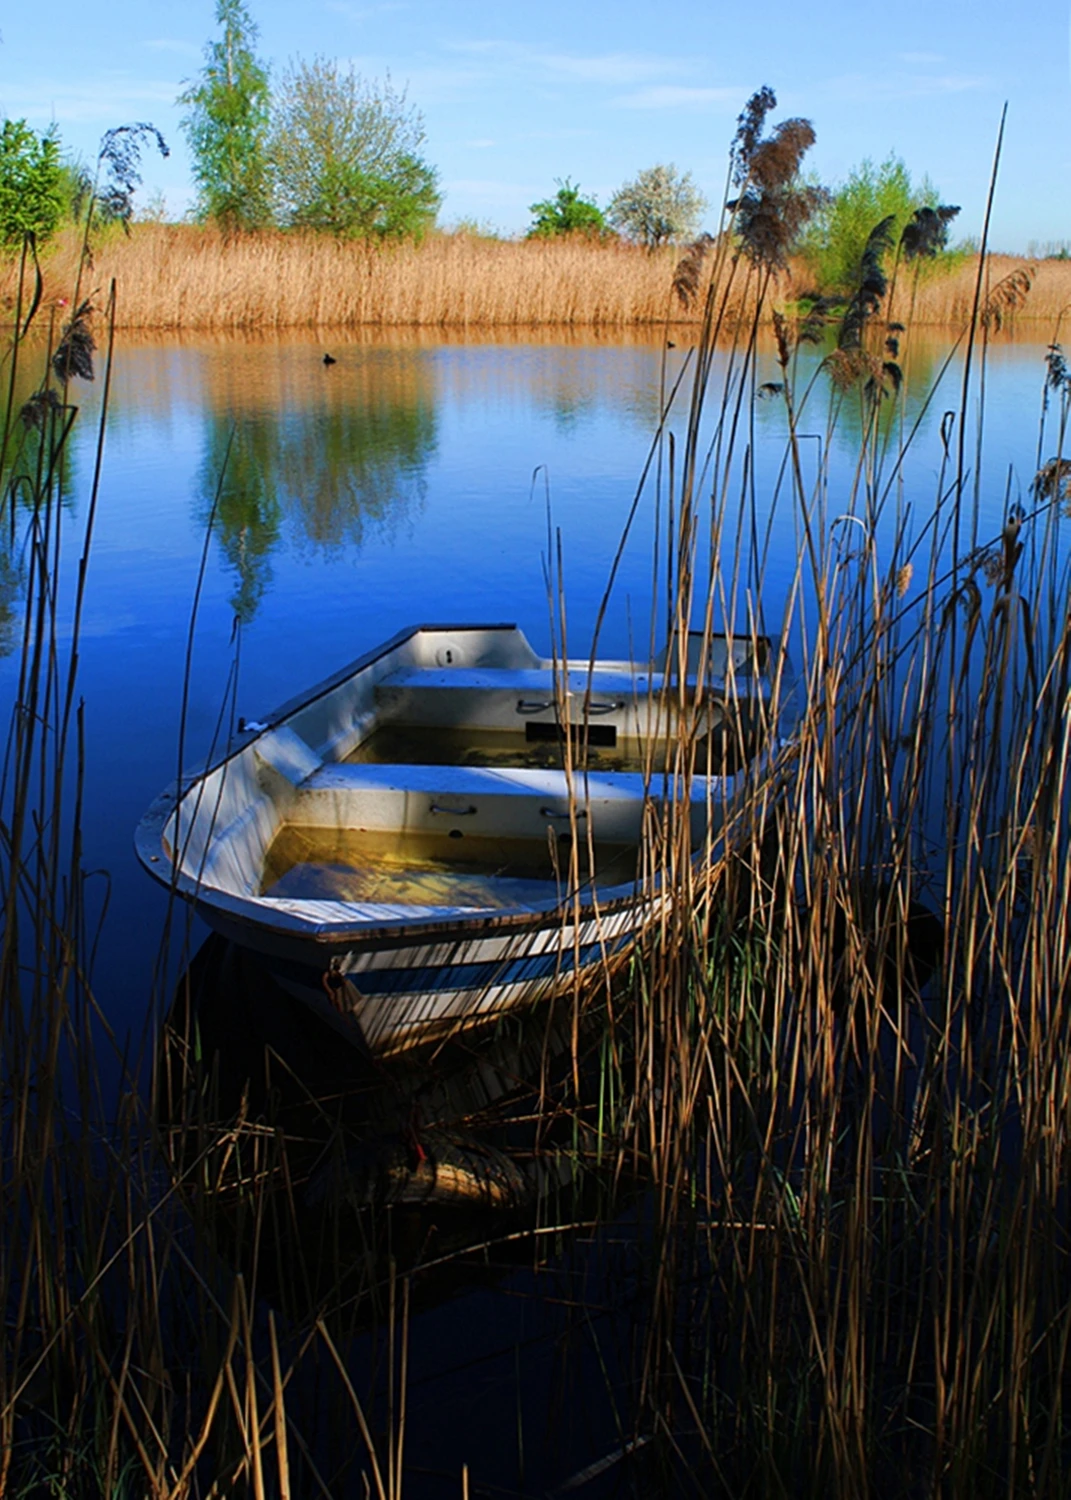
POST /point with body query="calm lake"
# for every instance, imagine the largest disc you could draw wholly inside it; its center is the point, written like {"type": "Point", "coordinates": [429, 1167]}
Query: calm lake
{"type": "Point", "coordinates": [414, 481]}
{"type": "Point", "coordinates": [410, 481]}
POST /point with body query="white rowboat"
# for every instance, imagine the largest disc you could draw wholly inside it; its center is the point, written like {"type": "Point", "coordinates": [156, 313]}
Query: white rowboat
{"type": "Point", "coordinates": [452, 825]}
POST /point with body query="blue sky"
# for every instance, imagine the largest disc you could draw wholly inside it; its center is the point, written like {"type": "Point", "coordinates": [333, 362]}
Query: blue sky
{"type": "Point", "coordinates": [517, 95]}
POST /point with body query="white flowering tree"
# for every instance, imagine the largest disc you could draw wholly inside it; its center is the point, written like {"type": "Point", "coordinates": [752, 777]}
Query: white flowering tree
{"type": "Point", "coordinates": [659, 206]}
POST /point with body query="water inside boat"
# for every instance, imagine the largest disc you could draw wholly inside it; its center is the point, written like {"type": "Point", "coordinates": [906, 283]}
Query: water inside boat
{"type": "Point", "coordinates": [539, 746]}
{"type": "Point", "coordinates": [439, 869]}
{"type": "Point", "coordinates": [536, 746]}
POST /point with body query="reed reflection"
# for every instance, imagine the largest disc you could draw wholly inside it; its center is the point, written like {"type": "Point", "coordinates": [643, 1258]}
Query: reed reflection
{"type": "Point", "coordinates": [34, 427]}
{"type": "Point", "coordinates": [324, 455]}
{"type": "Point", "coordinates": [11, 593]}
{"type": "Point", "coordinates": [324, 1165]}
{"type": "Point", "coordinates": [848, 400]}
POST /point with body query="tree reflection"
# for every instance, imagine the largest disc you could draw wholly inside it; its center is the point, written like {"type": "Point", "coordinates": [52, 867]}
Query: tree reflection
{"type": "Point", "coordinates": [851, 411]}
{"type": "Point", "coordinates": [238, 486]}
{"type": "Point", "coordinates": [11, 585]}
{"type": "Point", "coordinates": [357, 467]}
{"type": "Point", "coordinates": [323, 457]}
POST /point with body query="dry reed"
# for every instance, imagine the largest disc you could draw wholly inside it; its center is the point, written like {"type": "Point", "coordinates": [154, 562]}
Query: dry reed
{"type": "Point", "coordinates": [854, 1148]}
{"type": "Point", "coordinates": [186, 278]}
{"type": "Point", "coordinates": [850, 1040]}
{"type": "Point", "coordinates": [182, 278]}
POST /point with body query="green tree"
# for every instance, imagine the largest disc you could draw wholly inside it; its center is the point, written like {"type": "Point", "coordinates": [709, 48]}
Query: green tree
{"type": "Point", "coordinates": [660, 205]}
{"type": "Point", "coordinates": [226, 125]}
{"type": "Point", "coordinates": [32, 187]}
{"type": "Point", "coordinates": [347, 154]}
{"type": "Point", "coordinates": [566, 213]}
{"type": "Point", "coordinates": [835, 239]}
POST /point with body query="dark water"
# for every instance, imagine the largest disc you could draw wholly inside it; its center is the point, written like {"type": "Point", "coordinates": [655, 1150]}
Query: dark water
{"type": "Point", "coordinates": [412, 482]}
{"type": "Point", "coordinates": [408, 482]}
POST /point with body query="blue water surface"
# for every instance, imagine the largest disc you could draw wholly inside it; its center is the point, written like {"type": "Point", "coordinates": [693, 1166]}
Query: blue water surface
{"type": "Point", "coordinates": [410, 481]}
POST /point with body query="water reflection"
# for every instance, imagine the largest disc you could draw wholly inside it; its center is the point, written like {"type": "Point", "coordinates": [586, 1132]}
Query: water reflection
{"type": "Point", "coordinates": [829, 398]}
{"type": "Point", "coordinates": [39, 456]}
{"type": "Point", "coordinates": [325, 454]}
{"type": "Point", "coordinates": [575, 381]}
{"type": "Point", "coordinates": [11, 593]}
{"type": "Point", "coordinates": [238, 497]}
{"type": "Point", "coordinates": [325, 1164]}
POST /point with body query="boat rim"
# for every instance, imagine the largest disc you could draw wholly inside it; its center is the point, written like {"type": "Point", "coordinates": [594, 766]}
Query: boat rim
{"type": "Point", "coordinates": [267, 915]}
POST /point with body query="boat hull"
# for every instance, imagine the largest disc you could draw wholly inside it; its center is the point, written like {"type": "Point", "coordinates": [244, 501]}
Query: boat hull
{"type": "Point", "coordinates": [434, 883]}
{"type": "Point", "coordinates": [384, 992]}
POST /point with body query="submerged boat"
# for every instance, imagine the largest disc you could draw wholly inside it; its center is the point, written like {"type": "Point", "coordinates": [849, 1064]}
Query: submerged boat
{"type": "Point", "coordinates": [452, 825]}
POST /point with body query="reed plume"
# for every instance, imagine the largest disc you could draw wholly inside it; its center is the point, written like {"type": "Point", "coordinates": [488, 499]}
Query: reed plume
{"type": "Point", "coordinates": [773, 205]}
{"type": "Point", "coordinates": [74, 352]}
{"type": "Point", "coordinates": [824, 1118]}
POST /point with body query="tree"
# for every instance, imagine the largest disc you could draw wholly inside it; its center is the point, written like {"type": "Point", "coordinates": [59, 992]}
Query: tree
{"type": "Point", "coordinates": [227, 125]}
{"type": "Point", "coordinates": [347, 155]}
{"type": "Point", "coordinates": [659, 206]}
{"type": "Point", "coordinates": [33, 194]}
{"type": "Point", "coordinates": [566, 213]}
{"type": "Point", "coordinates": [834, 242]}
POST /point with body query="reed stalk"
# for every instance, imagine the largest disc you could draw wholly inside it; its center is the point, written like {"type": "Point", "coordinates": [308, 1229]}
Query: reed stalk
{"type": "Point", "coordinates": [183, 278]}
{"type": "Point", "coordinates": [825, 1105]}
{"type": "Point", "coordinates": [849, 1032]}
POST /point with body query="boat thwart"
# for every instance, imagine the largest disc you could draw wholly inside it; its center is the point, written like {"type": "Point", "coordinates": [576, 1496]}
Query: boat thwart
{"type": "Point", "coordinates": [452, 825]}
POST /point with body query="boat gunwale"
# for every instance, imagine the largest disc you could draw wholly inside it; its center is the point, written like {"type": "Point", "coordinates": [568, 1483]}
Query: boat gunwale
{"type": "Point", "coordinates": [367, 930]}
{"type": "Point", "coordinates": [373, 935]}
{"type": "Point", "coordinates": [147, 833]}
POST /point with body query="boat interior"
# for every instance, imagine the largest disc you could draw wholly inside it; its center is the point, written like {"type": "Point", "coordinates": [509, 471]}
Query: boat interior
{"type": "Point", "coordinates": [456, 770]}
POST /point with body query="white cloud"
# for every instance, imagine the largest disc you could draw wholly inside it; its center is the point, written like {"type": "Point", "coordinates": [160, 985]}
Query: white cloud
{"type": "Point", "coordinates": [611, 68]}
{"type": "Point", "coordinates": [426, 85]}
{"type": "Point", "coordinates": [170, 44]}
{"type": "Point", "coordinates": [677, 96]}
{"type": "Point", "coordinates": [364, 12]}
{"type": "Point", "coordinates": [484, 190]}
{"type": "Point", "coordinates": [106, 99]}
{"type": "Point", "coordinates": [561, 133]}
{"type": "Point", "coordinates": [482, 64]}
{"type": "Point", "coordinates": [867, 87]}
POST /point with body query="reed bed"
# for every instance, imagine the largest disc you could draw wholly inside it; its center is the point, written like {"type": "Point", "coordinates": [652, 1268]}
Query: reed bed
{"type": "Point", "coordinates": [176, 278]}
{"type": "Point", "coordinates": [187, 278]}
{"type": "Point", "coordinates": [945, 299]}
{"type": "Point", "coordinates": [833, 1091]}
{"type": "Point", "coordinates": [850, 1034]}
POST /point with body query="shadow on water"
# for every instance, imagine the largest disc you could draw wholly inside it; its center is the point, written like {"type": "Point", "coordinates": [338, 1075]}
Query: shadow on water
{"type": "Point", "coordinates": [479, 1176]}
{"type": "Point", "coordinates": [326, 455]}
{"type": "Point", "coordinates": [485, 1177]}
{"type": "Point", "coordinates": [357, 1161]}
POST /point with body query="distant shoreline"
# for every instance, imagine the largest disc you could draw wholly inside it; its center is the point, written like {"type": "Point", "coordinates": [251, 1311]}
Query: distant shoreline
{"type": "Point", "coordinates": [183, 278]}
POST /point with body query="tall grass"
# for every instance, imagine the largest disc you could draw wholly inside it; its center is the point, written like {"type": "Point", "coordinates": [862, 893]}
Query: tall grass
{"type": "Point", "coordinates": [850, 1034]}
{"type": "Point", "coordinates": [135, 1358]}
{"type": "Point", "coordinates": [836, 1079]}
{"type": "Point", "coordinates": [180, 277]}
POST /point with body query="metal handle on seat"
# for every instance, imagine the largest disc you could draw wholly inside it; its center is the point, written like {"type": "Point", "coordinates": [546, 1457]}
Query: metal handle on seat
{"type": "Point", "coordinates": [549, 812]}
{"type": "Point", "coordinates": [536, 706]}
{"type": "Point", "coordinates": [453, 812]}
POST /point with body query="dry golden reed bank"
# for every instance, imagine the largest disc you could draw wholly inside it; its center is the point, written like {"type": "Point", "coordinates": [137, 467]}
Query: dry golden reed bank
{"type": "Point", "coordinates": [180, 277]}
